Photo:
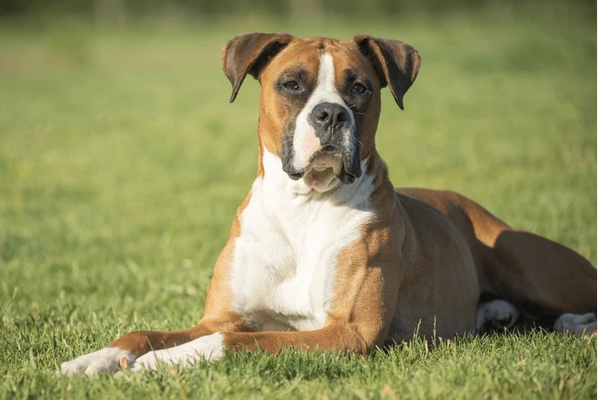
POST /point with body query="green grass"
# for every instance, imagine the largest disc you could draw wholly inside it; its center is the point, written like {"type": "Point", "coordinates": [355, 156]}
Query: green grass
{"type": "Point", "coordinates": [122, 164]}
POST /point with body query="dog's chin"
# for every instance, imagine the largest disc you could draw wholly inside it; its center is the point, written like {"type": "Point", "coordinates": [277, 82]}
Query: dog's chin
{"type": "Point", "coordinates": [326, 168]}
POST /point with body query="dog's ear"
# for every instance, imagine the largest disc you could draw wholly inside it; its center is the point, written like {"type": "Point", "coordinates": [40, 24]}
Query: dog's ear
{"type": "Point", "coordinates": [249, 54]}
{"type": "Point", "coordinates": [396, 63]}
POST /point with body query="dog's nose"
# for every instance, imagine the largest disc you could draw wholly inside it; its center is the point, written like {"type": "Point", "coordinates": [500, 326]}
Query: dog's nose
{"type": "Point", "coordinates": [326, 118]}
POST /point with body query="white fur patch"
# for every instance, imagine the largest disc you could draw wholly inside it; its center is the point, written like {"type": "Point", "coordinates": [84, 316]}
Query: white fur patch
{"type": "Point", "coordinates": [577, 324]}
{"type": "Point", "coordinates": [207, 347]}
{"type": "Point", "coordinates": [305, 142]}
{"type": "Point", "coordinates": [104, 360]}
{"type": "Point", "coordinates": [284, 260]}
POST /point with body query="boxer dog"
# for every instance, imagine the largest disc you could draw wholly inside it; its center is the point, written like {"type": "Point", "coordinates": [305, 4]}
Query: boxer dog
{"type": "Point", "coordinates": [325, 253]}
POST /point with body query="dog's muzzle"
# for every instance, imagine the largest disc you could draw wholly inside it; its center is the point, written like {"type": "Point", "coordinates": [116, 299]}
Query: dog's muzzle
{"type": "Point", "coordinates": [333, 124]}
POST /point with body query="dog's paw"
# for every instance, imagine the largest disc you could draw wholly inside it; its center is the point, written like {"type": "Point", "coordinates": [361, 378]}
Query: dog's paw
{"type": "Point", "coordinates": [500, 313]}
{"type": "Point", "coordinates": [105, 360]}
{"type": "Point", "coordinates": [577, 324]}
{"type": "Point", "coordinates": [208, 347]}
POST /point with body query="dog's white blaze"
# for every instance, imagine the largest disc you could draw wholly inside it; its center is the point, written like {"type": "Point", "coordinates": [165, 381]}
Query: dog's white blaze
{"type": "Point", "coordinates": [284, 259]}
{"type": "Point", "coordinates": [305, 142]}
{"type": "Point", "coordinates": [208, 347]}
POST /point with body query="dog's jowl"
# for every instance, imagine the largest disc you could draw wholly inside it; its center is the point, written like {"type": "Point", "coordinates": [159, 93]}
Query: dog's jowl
{"type": "Point", "coordinates": [324, 252]}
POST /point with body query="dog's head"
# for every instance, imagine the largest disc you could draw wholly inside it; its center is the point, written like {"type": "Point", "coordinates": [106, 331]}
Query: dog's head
{"type": "Point", "coordinates": [320, 99]}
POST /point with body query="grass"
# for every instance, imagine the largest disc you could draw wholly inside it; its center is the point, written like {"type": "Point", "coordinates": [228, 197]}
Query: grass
{"type": "Point", "coordinates": [122, 164]}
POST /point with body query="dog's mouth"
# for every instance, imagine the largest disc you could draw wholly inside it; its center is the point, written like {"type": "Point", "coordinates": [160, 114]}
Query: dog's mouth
{"type": "Point", "coordinates": [329, 163]}
{"type": "Point", "coordinates": [327, 159]}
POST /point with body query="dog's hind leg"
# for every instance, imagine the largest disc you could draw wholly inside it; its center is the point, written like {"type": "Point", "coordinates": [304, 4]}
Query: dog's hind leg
{"type": "Point", "coordinates": [542, 278]}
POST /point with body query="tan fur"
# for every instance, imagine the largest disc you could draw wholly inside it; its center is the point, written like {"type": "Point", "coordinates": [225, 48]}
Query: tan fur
{"type": "Point", "coordinates": [344, 51]}
{"type": "Point", "coordinates": [273, 114]}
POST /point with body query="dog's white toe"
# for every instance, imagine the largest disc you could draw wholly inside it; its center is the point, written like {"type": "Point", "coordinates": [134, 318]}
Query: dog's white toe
{"type": "Point", "coordinates": [105, 360]}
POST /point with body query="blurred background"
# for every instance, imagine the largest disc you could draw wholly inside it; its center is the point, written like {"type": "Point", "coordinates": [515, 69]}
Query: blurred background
{"type": "Point", "coordinates": [120, 12]}
{"type": "Point", "coordinates": [122, 162]}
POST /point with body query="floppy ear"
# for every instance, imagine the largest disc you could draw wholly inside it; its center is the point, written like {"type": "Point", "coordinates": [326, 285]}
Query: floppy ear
{"type": "Point", "coordinates": [249, 54]}
{"type": "Point", "coordinates": [396, 63]}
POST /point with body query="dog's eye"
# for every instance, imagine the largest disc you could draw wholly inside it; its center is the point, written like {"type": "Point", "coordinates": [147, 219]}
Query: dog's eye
{"type": "Point", "coordinates": [358, 89]}
{"type": "Point", "coordinates": [292, 85]}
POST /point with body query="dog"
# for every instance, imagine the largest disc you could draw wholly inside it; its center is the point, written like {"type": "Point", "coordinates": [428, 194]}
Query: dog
{"type": "Point", "coordinates": [325, 253]}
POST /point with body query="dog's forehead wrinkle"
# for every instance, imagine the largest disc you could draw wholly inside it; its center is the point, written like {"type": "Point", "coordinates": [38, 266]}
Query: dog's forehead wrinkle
{"type": "Point", "coordinates": [298, 70]}
{"type": "Point", "coordinates": [323, 45]}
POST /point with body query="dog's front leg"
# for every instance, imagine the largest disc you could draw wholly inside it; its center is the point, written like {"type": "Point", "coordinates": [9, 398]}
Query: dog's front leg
{"type": "Point", "coordinates": [218, 317]}
{"type": "Point", "coordinates": [124, 351]}
{"type": "Point", "coordinates": [337, 336]}
{"type": "Point", "coordinates": [361, 311]}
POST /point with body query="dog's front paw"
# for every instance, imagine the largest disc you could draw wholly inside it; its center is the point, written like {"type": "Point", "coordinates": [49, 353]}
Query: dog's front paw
{"type": "Point", "coordinates": [208, 347]}
{"type": "Point", "coordinates": [105, 360]}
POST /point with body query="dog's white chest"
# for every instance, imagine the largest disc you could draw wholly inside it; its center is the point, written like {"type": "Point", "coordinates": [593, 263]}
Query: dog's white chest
{"type": "Point", "coordinates": [284, 261]}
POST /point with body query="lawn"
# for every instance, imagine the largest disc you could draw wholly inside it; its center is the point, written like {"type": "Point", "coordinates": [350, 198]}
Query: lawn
{"type": "Point", "coordinates": [122, 164]}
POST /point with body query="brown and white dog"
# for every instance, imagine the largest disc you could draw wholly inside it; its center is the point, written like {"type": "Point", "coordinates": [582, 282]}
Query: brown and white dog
{"type": "Point", "coordinates": [325, 253]}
